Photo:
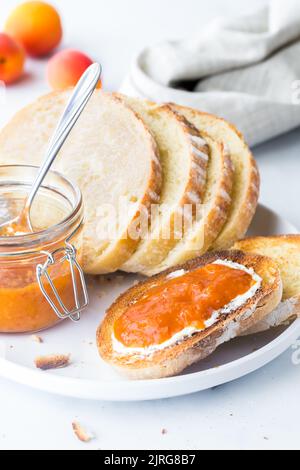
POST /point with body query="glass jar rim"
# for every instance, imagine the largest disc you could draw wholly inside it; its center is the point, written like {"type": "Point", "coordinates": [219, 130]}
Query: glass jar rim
{"type": "Point", "coordinates": [30, 240]}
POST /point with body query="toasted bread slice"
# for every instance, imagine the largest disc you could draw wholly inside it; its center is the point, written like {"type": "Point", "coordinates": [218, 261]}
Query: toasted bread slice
{"type": "Point", "coordinates": [246, 182]}
{"type": "Point", "coordinates": [216, 206]}
{"type": "Point", "coordinates": [110, 154]}
{"type": "Point", "coordinates": [174, 359]}
{"type": "Point", "coordinates": [285, 251]}
{"type": "Point", "coordinates": [184, 158]}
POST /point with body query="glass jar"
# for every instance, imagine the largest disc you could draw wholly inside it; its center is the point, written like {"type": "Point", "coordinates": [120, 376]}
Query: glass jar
{"type": "Point", "coordinates": [41, 281]}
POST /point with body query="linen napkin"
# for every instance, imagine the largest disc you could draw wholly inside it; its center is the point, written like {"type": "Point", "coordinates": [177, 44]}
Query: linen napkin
{"type": "Point", "coordinates": [246, 70]}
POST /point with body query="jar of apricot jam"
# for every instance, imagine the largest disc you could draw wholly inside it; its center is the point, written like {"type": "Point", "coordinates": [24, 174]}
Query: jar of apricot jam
{"type": "Point", "coordinates": [41, 281]}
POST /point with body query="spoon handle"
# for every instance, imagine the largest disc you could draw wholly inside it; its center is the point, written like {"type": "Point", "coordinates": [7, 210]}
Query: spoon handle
{"type": "Point", "coordinates": [77, 102]}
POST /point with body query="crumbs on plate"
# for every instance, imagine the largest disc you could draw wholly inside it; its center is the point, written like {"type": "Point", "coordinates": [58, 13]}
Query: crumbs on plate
{"type": "Point", "coordinates": [37, 339]}
{"type": "Point", "coordinates": [57, 361]}
{"type": "Point", "coordinates": [81, 434]}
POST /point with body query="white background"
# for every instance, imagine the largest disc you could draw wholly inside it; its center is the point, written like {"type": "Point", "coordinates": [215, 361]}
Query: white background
{"type": "Point", "coordinates": [259, 411]}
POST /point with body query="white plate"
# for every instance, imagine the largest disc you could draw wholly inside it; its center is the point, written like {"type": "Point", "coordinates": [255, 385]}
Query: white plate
{"type": "Point", "coordinates": [90, 378]}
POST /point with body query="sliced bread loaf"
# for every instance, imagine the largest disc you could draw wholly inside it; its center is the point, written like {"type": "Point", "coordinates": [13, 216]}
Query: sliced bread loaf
{"type": "Point", "coordinates": [184, 158]}
{"type": "Point", "coordinates": [188, 348]}
{"type": "Point", "coordinates": [110, 154]}
{"type": "Point", "coordinates": [216, 206]}
{"type": "Point", "coordinates": [285, 251]}
{"type": "Point", "coordinates": [246, 181]}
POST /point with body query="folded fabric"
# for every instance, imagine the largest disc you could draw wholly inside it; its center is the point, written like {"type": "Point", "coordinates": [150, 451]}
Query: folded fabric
{"type": "Point", "coordinates": [245, 69]}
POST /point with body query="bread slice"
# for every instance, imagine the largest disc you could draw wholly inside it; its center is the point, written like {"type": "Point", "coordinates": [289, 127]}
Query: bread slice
{"type": "Point", "coordinates": [216, 206]}
{"type": "Point", "coordinates": [184, 158]}
{"type": "Point", "coordinates": [174, 359]}
{"type": "Point", "coordinates": [246, 182]}
{"type": "Point", "coordinates": [285, 251]}
{"type": "Point", "coordinates": [110, 154]}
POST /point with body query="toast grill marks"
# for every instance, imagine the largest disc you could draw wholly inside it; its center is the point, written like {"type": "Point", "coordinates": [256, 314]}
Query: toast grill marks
{"type": "Point", "coordinates": [184, 157]}
{"type": "Point", "coordinates": [174, 359]}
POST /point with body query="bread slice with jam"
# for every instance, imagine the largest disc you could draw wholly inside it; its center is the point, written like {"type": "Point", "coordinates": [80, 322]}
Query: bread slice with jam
{"type": "Point", "coordinates": [167, 323]}
{"type": "Point", "coordinates": [285, 251]}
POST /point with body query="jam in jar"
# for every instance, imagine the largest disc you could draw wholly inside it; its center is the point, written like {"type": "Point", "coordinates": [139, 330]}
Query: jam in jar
{"type": "Point", "coordinates": [41, 281]}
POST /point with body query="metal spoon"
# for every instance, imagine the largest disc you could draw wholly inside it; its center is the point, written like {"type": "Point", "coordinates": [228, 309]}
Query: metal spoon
{"type": "Point", "coordinates": [77, 102]}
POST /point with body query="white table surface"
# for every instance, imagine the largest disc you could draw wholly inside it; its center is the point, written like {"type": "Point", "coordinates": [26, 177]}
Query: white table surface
{"type": "Point", "coordinates": [260, 411]}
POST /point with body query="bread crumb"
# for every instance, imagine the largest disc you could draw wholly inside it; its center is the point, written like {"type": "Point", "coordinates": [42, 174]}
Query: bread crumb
{"type": "Point", "coordinates": [37, 339]}
{"type": "Point", "coordinates": [81, 434]}
{"type": "Point", "coordinates": [58, 361]}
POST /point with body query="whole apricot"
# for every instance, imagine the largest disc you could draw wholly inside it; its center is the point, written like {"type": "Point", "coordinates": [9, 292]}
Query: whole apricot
{"type": "Point", "coordinates": [12, 59]}
{"type": "Point", "coordinates": [37, 26]}
{"type": "Point", "coordinates": [66, 67]}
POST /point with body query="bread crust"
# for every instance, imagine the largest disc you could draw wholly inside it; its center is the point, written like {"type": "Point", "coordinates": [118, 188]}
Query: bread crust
{"type": "Point", "coordinates": [174, 359]}
{"type": "Point", "coordinates": [56, 361]}
{"type": "Point", "coordinates": [287, 311]}
{"type": "Point", "coordinates": [245, 201]}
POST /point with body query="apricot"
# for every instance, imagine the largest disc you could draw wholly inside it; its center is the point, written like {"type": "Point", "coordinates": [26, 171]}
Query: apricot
{"type": "Point", "coordinates": [12, 59]}
{"type": "Point", "coordinates": [37, 26]}
{"type": "Point", "coordinates": [66, 67]}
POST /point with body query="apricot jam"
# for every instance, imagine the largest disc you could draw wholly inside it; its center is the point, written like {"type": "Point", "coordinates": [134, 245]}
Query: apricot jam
{"type": "Point", "coordinates": [28, 301]}
{"type": "Point", "coordinates": [186, 301]}
{"type": "Point", "coordinates": [23, 308]}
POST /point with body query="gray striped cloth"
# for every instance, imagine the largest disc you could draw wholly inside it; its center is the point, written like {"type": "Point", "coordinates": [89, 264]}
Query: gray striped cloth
{"type": "Point", "coordinates": [246, 70]}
